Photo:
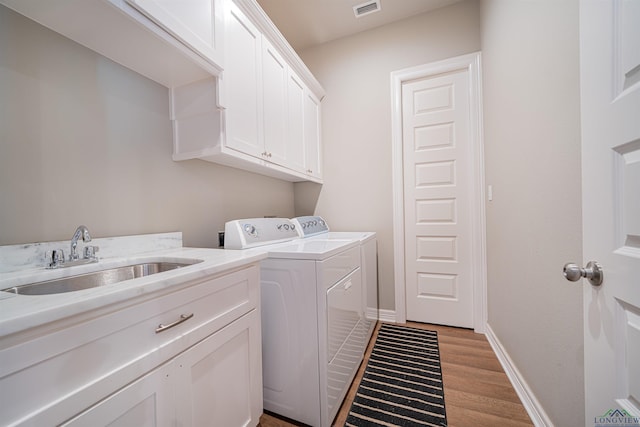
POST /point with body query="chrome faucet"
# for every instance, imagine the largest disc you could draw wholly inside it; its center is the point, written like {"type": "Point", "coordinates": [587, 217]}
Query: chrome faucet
{"type": "Point", "coordinates": [55, 258]}
{"type": "Point", "coordinates": [83, 232]}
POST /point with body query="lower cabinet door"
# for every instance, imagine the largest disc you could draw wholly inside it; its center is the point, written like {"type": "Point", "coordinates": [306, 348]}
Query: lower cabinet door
{"type": "Point", "coordinates": [147, 402]}
{"type": "Point", "coordinates": [219, 380]}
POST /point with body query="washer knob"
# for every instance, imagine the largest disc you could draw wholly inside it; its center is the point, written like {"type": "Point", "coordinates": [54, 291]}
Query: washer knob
{"type": "Point", "coordinates": [251, 230]}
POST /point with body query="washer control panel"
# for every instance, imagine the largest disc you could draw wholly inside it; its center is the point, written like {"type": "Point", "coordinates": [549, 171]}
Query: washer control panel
{"type": "Point", "coordinates": [248, 233]}
{"type": "Point", "coordinates": [311, 225]}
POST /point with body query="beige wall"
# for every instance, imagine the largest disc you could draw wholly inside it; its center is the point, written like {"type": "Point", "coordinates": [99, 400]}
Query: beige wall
{"type": "Point", "coordinates": [86, 141]}
{"type": "Point", "coordinates": [356, 122]}
{"type": "Point", "coordinates": [532, 155]}
{"type": "Point", "coordinates": [83, 140]}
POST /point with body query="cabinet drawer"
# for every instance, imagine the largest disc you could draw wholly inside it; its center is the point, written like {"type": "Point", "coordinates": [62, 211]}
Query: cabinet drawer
{"type": "Point", "coordinates": [81, 364]}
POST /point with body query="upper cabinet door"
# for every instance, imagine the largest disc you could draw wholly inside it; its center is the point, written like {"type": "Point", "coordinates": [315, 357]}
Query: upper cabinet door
{"type": "Point", "coordinates": [196, 23]}
{"type": "Point", "coordinates": [274, 83]}
{"type": "Point", "coordinates": [313, 155]}
{"type": "Point", "coordinates": [295, 129]}
{"type": "Point", "coordinates": [241, 84]}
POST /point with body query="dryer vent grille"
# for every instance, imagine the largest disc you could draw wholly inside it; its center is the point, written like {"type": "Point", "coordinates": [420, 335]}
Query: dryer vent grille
{"type": "Point", "coordinates": [366, 8]}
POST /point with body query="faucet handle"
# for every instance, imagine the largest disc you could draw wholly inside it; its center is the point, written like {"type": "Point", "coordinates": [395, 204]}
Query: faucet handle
{"type": "Point", "coordinates": [54, 258]}
{"type": "Point", "coordinates": [90, 252]}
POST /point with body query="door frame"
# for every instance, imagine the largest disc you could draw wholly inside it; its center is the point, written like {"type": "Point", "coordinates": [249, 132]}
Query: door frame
{"type": "Point", "coordinates": [470, 62]}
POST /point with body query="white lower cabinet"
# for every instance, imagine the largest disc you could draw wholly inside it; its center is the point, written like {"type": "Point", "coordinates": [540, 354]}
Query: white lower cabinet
{"type": "Point", "coordinates": [214, 383]}
{"type": "Point", "coordinates": [113, 367]}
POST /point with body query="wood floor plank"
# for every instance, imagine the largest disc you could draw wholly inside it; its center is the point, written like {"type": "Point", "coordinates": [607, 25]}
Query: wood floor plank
{"type": "Point", "coordinates": [503, 392]}
{"type": "Point", "coordinates": [477, 391]}
{"type": "Point", "coordinates": [464, 417]}
{"type": "Point", "coordinates": [481, 375]}
{"type": "Point", "coordinates": [485, 404]}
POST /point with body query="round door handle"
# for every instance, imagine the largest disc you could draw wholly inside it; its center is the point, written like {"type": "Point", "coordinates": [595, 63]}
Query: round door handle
{"type": "Point", "coordinates": [592, 272]}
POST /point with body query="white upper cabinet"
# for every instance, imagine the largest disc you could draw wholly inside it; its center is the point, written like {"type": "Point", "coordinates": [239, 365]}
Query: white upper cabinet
{"type": "Point", "coordinates": [261, 115]}
{"type": "Point", "coordinates": [171, 42]}
{"type": "Point", "coordinates": [240, 95]}
{"type": "Point", "coordinates": [196, 23]}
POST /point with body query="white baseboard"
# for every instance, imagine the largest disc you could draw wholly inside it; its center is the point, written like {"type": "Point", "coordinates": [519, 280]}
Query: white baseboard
{"type": "Point", "coordinates": [387, 316]}
{"type": "Point", "coordinates": [538, 416]}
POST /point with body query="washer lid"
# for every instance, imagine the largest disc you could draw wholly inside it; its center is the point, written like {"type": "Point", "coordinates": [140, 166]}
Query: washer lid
{"type": "Point", "coordinates": [314, 249]}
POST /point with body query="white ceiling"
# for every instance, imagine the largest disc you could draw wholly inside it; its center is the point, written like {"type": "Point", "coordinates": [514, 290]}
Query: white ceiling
{"type": "Point", "coordinates": [306, 23]}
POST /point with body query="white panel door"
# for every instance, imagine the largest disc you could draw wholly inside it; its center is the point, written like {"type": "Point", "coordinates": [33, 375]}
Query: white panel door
{"type": "Point", "coordinates": [610, 103]}
{"type": "Point", "coordinates": [437, 181]}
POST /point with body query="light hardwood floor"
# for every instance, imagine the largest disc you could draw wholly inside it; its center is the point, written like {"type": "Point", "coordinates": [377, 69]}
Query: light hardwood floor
{"type": "Point", "coordinates": [477, 392]}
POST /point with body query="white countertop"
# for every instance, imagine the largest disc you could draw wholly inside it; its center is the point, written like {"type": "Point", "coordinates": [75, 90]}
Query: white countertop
{"type": "Point", "coordinates": [22, 264]}
{"type": "Point", "coordinates": [21, 312]}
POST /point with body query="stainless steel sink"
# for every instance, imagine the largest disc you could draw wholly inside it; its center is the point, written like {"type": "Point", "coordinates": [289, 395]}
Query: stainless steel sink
{"type": "Point", "coordinates": [98, 278]}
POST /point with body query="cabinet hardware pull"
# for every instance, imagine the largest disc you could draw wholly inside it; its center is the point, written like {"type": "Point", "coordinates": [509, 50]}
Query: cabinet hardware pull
{"type": "Point", "coordinates": [183, 318]}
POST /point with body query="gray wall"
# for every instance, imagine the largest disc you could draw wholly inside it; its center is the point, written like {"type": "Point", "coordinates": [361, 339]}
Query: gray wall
{"type": "Point", "coordinates": [356, 123]}
{"type": "Point", "coordinates": [86, 141]}
{"type": "Point", "coordinates": [532, 154]}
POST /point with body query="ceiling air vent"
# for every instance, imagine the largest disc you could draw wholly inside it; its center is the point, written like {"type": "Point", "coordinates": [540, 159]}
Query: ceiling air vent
{"type": "Point", "coordinates": [366, 8]}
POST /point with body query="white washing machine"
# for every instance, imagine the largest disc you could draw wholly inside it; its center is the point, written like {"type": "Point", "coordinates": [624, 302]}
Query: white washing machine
{"type": "Point", "coordinates": [315, 227]}
{"type": "Point", "coordinates": [312, 314]}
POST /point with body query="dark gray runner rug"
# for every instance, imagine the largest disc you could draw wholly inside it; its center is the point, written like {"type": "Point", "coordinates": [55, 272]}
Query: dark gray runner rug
{"type": "Point", "coordinates": [402, 383]}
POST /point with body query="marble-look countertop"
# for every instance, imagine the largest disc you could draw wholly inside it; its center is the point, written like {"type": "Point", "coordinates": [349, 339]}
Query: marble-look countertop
{"type": "Point", "coordinates": [21, 312]}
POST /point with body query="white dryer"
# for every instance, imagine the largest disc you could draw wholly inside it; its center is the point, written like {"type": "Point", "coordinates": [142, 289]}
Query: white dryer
{"type": "Point", "coordinates": [315, 227]}
{"type": "Point", "coordinates": [313, 337]}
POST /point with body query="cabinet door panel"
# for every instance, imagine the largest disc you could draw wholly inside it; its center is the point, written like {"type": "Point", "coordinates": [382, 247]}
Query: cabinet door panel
{"type": "Point", "coordinates": [220, 379]}
{"type": "Point", "coordinates": [274, 72]}
{"type": "Point", "coordinates": [242, 84]}
{"type": "Point", "coordinates": [196, 23]}
{"type": "Point", "coordinates": [295, 135]}
{"type": "Point", "coordinates": [313, 162]}
{"type": "Point", "coordinates": [146, 402]}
